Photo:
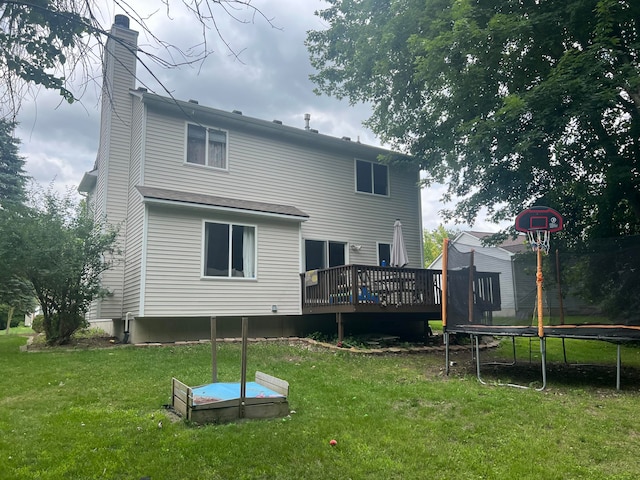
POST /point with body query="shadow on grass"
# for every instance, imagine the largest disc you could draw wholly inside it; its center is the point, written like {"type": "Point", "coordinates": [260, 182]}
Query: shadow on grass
{"type": "Point", "coordinates": [559, 375]}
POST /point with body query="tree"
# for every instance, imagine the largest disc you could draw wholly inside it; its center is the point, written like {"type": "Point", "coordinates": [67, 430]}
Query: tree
{"type": "Point", "coordinates": [432, 242]}
{"type": "Point", "coordinates": [49, 42]}
{"type": "Point", "coordinates": [510, 103]}
{"type": "Point", "coordinates": [17, 296]}
{"type": "Point", "coordinates": [12, 174]}
{"type": "Point", "coordinates": [15, 292]}
{"type": "Point", "coordinates": [62, 251]}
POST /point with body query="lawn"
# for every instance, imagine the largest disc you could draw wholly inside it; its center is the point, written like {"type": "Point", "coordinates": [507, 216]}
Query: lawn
{"type": "Point", "coordinates": [94, 414]}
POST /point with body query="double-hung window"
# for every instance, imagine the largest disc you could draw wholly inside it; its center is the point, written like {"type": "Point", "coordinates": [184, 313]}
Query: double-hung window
{"type": "Point", "coordinates": [372, 178]}
{"type": "Point", "coordinates": [229, 250]}
{"type": "Point", "coordinates": [206, 146]}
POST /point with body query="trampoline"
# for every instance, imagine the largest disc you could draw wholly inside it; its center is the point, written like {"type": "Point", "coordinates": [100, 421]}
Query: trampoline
{"type": "Point", "coordinates": [588, 293]}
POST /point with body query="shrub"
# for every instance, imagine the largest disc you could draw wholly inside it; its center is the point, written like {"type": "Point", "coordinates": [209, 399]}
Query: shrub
{"type": "Point", "coordinates": [38, 323]}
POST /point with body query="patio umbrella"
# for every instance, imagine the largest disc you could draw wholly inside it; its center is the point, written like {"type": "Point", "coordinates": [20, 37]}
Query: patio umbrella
{"type": "Point", "coordinates": [398, 250]}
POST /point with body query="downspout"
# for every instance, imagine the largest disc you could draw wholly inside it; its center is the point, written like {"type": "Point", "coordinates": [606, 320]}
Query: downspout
{"type": "Point", "coordinates": [127, 322]}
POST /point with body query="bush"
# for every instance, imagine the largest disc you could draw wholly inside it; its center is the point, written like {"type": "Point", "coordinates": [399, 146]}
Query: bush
{"type": "Point", "coordinates": [38, 323]}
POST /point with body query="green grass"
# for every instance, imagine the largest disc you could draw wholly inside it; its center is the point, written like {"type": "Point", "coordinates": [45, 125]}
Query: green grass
{"type": "Point", "coordinates": [20, 330]}
{"type": "Point", "coordinates": [93, 414]}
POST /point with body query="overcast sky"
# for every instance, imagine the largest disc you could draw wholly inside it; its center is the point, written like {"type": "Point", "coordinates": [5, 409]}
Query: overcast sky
{"type": "Point", "coordinates": [270, 80]}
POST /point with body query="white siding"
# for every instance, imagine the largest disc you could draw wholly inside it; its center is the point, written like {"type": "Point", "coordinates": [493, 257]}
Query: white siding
{"type": "Point", "coordinates": [135, 213]}
{"type": "Point", "coordinates": [174, 286]}
{"type": "Point", "coordinates": [113, 158]}
{"type": "Point", "coordinates": [321, 184]}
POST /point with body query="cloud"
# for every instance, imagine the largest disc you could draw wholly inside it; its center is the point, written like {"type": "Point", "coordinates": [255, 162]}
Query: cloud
{"type": "Point", "coordinates": [268, 79]}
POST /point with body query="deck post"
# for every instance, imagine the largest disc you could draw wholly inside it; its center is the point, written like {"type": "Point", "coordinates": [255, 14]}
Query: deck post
{"type": "Point", "coordinates": [214, 350]}
{"type": "Point", "coordinates": [340, 326]}
{"type": "Point", "coordinates": [618, 365]}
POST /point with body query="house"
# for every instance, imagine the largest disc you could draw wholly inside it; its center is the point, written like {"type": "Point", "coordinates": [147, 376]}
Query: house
{"type": "Point", "coordinates": [219, 213]}
{"type": "Point", "coordinates": [499, 258]}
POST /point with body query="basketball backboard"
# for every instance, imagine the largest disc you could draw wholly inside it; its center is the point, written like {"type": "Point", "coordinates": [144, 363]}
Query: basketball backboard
{"type": "Point", "coordinates": [539, 218]}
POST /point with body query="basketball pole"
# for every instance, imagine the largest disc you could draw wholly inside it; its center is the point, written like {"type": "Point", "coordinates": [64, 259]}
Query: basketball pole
{"type": "Point", "coordinates": [539, 295]}
{"type": "Point", "coordinates": [543, 341]}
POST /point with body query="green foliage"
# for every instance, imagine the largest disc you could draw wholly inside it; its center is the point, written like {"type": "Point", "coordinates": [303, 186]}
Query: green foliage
{"type": "Point", "coordinates": [12, 174]}
{"type": "Point", "coordinates": [40, 42]}
{"type": "Point", "coordinates": [508, 103]}
{"type": "Point", "coordinates": [62, 251]}
{"type": "Point", "coordinates": [432, 241]}
{"type": "Point", "coordinates": [37, 324]}
{"type": "Point", "coordinates": [16, 318]}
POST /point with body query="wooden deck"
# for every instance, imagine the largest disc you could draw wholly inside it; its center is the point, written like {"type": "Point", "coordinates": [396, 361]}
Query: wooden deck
{"type": "Point", "coordinates": [367, 288]}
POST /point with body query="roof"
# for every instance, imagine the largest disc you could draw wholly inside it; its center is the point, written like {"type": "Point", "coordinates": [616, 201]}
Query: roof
{"type": "Point", "coordinates": [162, 195]}
{"type": "Point", "coordinates": [88, 181]}
{"type": "Point", "coordinates": [195, 112]}
{"type": "Point", "coordinates": [513, 245]}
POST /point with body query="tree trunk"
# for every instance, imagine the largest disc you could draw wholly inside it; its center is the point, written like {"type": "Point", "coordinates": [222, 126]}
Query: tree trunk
{"type": "Point", "coordinates": [9, 317]}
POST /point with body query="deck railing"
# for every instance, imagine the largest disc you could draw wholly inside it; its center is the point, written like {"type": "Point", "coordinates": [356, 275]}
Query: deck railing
{"type": "Point", "coordinates": [367, 287]}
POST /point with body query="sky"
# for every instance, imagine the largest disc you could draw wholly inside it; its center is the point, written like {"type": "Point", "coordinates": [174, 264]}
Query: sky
{"type": "Point", "coordinates": [268, 78]}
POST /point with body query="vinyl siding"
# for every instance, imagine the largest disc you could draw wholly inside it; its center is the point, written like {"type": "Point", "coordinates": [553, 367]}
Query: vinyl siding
{"type": "Point", "coordinates": [135, 214]}
{"type": "Point", "coordinates": [113, 158]}
{"type": "Point", "coordinates": [321, 184]}
{"type": "Point", "coordinates": [173, 282]}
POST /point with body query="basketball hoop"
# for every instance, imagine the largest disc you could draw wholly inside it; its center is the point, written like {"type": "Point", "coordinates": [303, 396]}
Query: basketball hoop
{"type": "Point", "coordinates": [538, 223]}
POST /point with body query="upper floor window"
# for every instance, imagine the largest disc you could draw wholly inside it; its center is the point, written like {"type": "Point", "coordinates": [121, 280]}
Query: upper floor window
{"type": "Point", "coordinates": [372, 178]}
{"type": "Point", "coordinates": [229, 250]}
{"type": "Point", "coordinates": [206, 146]}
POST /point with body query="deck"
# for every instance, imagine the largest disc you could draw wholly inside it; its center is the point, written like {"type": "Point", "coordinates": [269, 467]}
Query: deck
{"type": "Point", "coordinates": [367, 288]}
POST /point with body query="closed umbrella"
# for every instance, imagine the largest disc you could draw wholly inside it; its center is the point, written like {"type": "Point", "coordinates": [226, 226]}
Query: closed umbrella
{"type": "Point", "coordinates": [399, 256]}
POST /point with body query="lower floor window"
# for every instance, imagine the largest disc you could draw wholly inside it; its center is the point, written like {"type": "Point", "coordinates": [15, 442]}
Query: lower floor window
{"type": "Point", "coordinates": [229, 250]}
{"type": "Point", "coordinates": [323, 254]}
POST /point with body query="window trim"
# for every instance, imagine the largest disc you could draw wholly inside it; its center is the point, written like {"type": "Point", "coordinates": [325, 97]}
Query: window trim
{"type": "Point", "coordinates": [371, 165]}
{"type": "Point", "coordinates": [206, 142]}
{"type": "Point", "coordinates": [203, 248]}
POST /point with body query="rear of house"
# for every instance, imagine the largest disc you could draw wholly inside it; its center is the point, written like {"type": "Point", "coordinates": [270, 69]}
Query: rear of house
{"type": "Point", "coordinates": [219, 213]}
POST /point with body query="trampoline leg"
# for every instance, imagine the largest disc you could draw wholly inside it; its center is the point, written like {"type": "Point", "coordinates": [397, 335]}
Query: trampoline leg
{"type": "Point", "coordinates": [564, 351]}
{"type": "Point", "coordinates": [477, 347]}
{"type": "Point", "coordinates": [513, 344]}
{"type": "Point", "coordinates": [618, 365]}
{"type": "Point", "coordinates": [543, 353]}
{"type": "Point", "coordinates": [473, 350]}
{"type": "Point", "coordinates": [446, 353]}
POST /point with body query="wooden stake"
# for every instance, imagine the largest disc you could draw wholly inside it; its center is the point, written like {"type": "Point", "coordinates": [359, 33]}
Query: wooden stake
{"type": "Point", "coordinates": [214, 351]}
{"type": "Point", "coordinates": [243, 380]}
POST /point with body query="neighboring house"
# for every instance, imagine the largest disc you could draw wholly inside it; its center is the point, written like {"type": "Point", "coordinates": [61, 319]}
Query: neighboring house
{"type": "Point", "coordinates": [219, 213]}
{"type": "Point", "coordinates": [499, 258]}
